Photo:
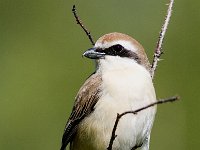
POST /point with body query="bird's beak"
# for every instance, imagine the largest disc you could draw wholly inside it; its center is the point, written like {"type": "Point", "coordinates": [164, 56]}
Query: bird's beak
{"type": "Point", "coordinates": [93, 53]}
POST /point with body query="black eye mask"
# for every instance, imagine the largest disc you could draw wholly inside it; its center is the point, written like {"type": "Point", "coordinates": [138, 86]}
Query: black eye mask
{"type": "Point", "coordinates": [119, 50]}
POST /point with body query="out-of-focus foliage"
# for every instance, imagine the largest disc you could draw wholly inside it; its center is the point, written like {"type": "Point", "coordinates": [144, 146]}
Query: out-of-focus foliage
{"type": "Point", "coordinates": [41, 67]}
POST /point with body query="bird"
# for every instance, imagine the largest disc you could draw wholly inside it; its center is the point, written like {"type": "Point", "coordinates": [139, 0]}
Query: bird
{"type": "Point", "coordinates": [121, 82]}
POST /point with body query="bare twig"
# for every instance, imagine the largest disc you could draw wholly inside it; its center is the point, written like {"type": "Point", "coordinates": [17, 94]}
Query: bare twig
{"type": "Point", "coordinates": [81, 24]}
{"type": "Point", "coordinates": [158, 51]}
{"type": "Point", "coordinates": [136, 146]}
{"type": "Point", "coordinates": [119, 116]}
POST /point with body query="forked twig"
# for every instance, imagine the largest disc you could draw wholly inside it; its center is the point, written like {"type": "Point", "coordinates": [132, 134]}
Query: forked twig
{"type": "Point", "coordinates": [119, 116]}
{"type": "Point", "coordinates": [81, 24]}
{"type": "Point", "coordinates": [158, 51]}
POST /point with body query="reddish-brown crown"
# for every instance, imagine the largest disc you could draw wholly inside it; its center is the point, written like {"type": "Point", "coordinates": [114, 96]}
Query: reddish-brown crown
{"type": "Point", "coordinates": [128, 42]}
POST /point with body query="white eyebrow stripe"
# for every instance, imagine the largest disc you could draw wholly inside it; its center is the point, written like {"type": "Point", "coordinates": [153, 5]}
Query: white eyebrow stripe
{"type": "Point", "coordinates": [126, 44]}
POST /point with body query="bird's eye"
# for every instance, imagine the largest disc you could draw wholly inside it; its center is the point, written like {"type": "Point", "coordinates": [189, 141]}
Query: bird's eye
{"type": "Point", "coordinates": [118, 48]}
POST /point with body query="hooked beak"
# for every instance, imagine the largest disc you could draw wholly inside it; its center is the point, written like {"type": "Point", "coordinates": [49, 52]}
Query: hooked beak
{"type": "Point", "coordinates": [92, 53]}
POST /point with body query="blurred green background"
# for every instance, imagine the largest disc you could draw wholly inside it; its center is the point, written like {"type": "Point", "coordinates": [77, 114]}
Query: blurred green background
{"type": "Point", "coordinates": [41, 68]}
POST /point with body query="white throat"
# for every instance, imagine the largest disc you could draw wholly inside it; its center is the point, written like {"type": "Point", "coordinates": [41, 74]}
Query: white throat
{"type": "Point", "coordinates": [124, 78]}
{"type": "Point", "coordinates": [124, 71]}
{"type": "Point", "coordinates": [111, 63]}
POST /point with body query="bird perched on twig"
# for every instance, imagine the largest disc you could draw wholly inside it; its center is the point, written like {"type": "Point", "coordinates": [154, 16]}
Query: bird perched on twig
{"type": "Point", "coordinates": [121, 82]}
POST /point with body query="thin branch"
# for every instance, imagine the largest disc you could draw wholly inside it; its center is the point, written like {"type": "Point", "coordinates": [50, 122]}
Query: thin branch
{"type": "Point", "coordinates": [137, 146]}
{"type": "Point", "coordinates": [158, 51]}
{"type": "Point", "coordinates": [119, 116]}
{"type": "Point", "coordinates": [78, 20]}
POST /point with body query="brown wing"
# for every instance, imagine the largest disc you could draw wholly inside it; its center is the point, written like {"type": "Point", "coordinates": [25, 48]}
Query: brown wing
{"type": "Point", "coordinates": [86, 98]}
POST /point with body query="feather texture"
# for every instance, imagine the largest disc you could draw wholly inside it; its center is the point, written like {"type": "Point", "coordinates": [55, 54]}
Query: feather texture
{"type": "Point", "coordinates": [86, 98]}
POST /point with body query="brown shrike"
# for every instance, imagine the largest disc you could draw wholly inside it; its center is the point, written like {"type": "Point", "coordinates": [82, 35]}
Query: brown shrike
{"type": "Point", "coordinates": [121, 82]}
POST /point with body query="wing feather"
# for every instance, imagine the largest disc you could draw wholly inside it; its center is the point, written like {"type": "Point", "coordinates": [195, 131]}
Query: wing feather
{"type": "Point", "coordinates": [86, 99]}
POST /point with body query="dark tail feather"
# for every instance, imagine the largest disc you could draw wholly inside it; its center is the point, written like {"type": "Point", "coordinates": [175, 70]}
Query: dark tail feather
{"type": "Point", "coordinates": [63, 147]}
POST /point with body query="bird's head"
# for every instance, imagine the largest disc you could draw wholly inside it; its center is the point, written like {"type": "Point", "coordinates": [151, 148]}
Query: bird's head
{"type": "Point", "coordinates": [118, 45]}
